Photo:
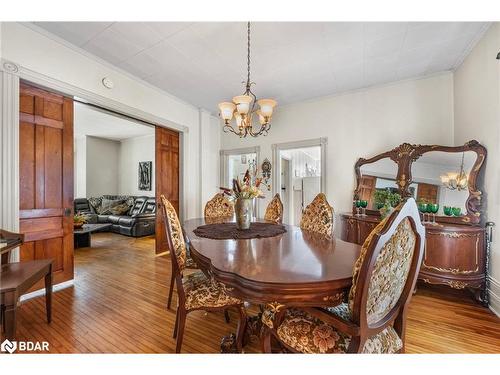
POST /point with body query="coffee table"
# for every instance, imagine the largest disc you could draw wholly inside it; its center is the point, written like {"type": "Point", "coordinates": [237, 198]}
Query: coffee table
{"type": "Point", "coordinates": [82, 235]}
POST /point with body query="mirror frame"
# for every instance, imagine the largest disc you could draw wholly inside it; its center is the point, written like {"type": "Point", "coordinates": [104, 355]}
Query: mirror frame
{"type": "Point", "coordinates": [406, 154]}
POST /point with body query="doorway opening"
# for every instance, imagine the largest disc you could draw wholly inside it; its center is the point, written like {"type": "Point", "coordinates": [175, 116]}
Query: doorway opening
{"type": "Point", "coordinates": [299, 175]}
{"type": "Point", "coordinates": [114, 182]}
{"type": "Point", "coordinates": [235, 163]}
{"type": "Point", "coordinates": [75, 157]}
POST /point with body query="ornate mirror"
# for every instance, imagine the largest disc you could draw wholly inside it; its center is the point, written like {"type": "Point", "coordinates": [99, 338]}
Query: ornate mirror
{"type": "Point", "coordinates": [376, 178]}
{"type": "Point", "coordinates": [442, 176]}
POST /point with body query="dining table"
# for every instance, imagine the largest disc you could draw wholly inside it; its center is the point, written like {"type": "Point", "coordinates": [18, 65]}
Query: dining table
{"type": "Point", "coordinates": [292, 269]}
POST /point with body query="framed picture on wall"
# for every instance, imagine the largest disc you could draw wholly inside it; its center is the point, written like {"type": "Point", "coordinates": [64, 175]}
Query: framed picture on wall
{"type": "Point", "coordinates": [145, 168]}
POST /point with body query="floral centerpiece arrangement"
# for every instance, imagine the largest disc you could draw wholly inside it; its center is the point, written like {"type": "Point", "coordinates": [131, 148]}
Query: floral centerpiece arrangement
{"type": "Point", "coordinates": [243, 193]}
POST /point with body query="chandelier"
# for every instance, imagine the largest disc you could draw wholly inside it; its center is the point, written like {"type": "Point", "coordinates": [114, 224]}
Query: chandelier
{"type": "Point", "coordinates": [242, 108]}
{"type": "Point", "coordinates": [456, 181]}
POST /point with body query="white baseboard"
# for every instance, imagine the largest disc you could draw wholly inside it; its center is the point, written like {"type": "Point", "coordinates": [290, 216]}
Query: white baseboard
{"type": "Point", "coordinates": [494, 294]}
{"type": "Point", "coordinates": [41, 292]}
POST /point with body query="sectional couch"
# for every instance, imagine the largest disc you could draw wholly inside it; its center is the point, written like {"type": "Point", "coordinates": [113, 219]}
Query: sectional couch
{"type": "Point", "coordinates": [138, 220]}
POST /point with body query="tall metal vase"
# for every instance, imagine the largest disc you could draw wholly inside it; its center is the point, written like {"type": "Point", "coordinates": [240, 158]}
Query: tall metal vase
{"type": "Point", "coordinates": [243, 211]}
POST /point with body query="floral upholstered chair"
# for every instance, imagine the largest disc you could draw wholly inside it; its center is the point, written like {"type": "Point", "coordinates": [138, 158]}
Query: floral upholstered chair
{"type": "Point", "coordinates": [219, 206]}
{"type": "Point", "coordinates": [196, 291]}
{"type": "Point", "coordinates": [318, 217]}
{"type": "Point", "coordinates": [374, 318]}
{"type": "Point", "coordinates": [189, 264]}
{"type": "Point", "coordinates": [274, 210]}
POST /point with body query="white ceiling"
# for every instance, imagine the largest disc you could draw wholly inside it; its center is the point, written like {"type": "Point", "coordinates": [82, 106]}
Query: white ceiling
{"type": "Point", "coordinates": [205, 62]}
{"type": "Point", "coordinates": [98, 123]}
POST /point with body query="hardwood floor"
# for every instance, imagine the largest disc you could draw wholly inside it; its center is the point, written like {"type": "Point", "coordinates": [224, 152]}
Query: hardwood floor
{"type": "Point", "coordinates": [117, 305]}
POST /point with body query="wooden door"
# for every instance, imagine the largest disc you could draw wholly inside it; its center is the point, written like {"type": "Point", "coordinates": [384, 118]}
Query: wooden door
{"type": "Point", "coordinates": [46, 178]}
{"type": "Point", "coordinates": [166, 177]}
{"type": "Point", "coordinates": [427, 193]}
{"type": "Point", "coordinates": [367, 188]}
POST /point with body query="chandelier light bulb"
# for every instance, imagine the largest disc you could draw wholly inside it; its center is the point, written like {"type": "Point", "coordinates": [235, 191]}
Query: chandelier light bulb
{"type": "Point", "coordinates": [242, 104]}
{"type": "Point", "coordinates": [267, 106]}
{"type": "Point", "coordinates": [226, 111]}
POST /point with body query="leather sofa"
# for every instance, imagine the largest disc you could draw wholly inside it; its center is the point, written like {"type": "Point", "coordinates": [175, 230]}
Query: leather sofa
{"type": "Point", "coordinates": [139, 221]}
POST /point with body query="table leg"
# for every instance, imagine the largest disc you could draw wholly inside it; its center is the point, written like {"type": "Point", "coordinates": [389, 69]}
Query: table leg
{"type": "Point", "coordinates": [48, 294]}
{"type": "Point", "coordinates": [252, 329]}
{"type": "Point", "coordinates": [81, 240]}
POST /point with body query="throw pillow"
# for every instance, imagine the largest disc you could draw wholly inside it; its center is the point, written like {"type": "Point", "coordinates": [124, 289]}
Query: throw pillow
{"type": "Point", "coordinates": [95, 204]}
{"type": "Point", "coordinates": [120, 209]}
{"type": "Point", "coordinates": [108, 204]}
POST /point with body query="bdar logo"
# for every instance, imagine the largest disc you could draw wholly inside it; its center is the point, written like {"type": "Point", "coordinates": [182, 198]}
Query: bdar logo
{"type": "Point", "coordinates": [8, 346]}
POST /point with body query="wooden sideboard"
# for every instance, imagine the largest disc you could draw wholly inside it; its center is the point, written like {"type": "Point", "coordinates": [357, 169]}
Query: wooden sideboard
{"type": "Point", "coordinates": [455, 254]}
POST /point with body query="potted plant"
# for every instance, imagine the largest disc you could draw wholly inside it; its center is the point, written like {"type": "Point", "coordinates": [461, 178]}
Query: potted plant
{"type": "Point", "coordinates": [243, 193]}
{"type": "Point", "coordinates": [385, 201]}
{"type": "Point", "coordinates": [78, 220]}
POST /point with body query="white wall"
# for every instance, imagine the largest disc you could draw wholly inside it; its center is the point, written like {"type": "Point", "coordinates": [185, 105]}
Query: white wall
{"type": "Point", "coordinates": [132, 151]}
{"type": "Point", "coordinates": [361, 124]}
{"type": "Point", "coordinates": [477, 116]}
{"type": "Point", "coordinates": [102, 166]}
{"type": "Point", "coordinates": [80, 167]}
{"type": "Point", "coordinates": [35, 52]}
{"type": "Point", "coordinates": [210, 129]}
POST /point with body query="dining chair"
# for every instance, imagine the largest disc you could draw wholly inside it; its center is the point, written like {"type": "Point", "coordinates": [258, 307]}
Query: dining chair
{"type": "Point", "coordinates": [191, 265]}
{"type": "Point", "coordinates": [195, 291]}
{"type": "Point", "coordinates": [274, 210]}
{"type": "Point", "coordinates": [374, 318]}
{"type": "Point", "coordinates": [219, 206]}
{"type": "Point", "coordinates": [318, 217]}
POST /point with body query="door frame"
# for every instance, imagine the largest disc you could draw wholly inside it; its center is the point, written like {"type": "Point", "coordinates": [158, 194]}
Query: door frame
{"type": "Point", "coordinates": [224, 157]}
{"type": "Point", "coordinates": [276, 162]}
{"type": "Point", "coordinates": [11, 76]}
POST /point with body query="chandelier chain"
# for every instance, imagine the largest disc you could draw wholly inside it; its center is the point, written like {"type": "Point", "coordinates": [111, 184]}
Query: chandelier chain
{"type": "Point", "coordinates": [248, 56]}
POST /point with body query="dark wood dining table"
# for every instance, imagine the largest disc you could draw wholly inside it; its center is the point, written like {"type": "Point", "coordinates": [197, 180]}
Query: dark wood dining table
{"type": "Point", "coordinates": [296, 268]}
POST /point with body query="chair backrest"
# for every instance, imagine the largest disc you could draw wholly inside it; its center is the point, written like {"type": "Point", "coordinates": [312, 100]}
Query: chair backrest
{"type": "Point", "coordinates": [175, 236]}
{"type": "Point", "coordinates": [274, 210]}
{"type": "Point", "coordinates": [318, 216]}
{"type": "Point", "coordinates": [219, 206]}
{"type": "Point", "coordinates": [386, 271]}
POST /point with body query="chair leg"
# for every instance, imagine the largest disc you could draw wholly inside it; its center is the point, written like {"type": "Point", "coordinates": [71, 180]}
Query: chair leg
{"type": "Point", "coordinates": [180, 330]}
{"type": "Point", "coordinates": [171, 290]}
{"type": "Point", "coordinates": [242, 325]}
{"type": "Point", "coordinates": [48, 296]}
{"type": "Point", "coordinates": [266, 342]}
{"type": "Point", "coordinates": [226, 316]}
{"type": "Point", "coordinates": [176, 323]}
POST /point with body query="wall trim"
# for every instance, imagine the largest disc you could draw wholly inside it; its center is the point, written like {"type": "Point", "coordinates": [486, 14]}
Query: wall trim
{"type": "Point", "coordinates": [41, 292]}
{"type": "Point", "coordinates": [494, 295]}
{"type": "Point", "coordinates": [90, 97]}
{"type": "Point", "coordinates": [9, 156]}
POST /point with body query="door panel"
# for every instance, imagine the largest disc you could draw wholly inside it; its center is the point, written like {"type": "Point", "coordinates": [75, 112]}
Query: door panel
{"type": "Point", "coordinates": [46, 179]}
{"type": "Point", "coordinates": [166, 177]}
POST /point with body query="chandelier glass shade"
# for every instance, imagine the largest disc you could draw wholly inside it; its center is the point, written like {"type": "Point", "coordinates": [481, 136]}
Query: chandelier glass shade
{"type": "Point", "coordinates": [243, 108]}
{"type": "Point", "coordinates": [456, 180]}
